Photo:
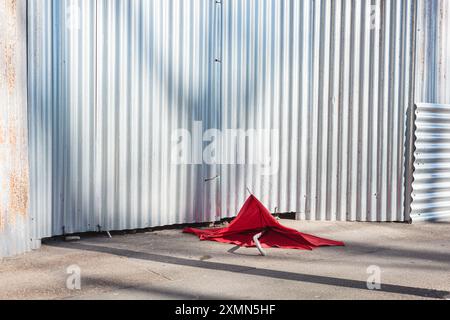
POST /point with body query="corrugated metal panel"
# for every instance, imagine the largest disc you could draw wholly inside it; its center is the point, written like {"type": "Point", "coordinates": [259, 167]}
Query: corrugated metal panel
{"type": "Point", "coordinates": [431, 186]}
{"type": "Point", "coordinates": [111, 81]}
{"type": "Point", "coordinates": [40, 114]}
{"type": "Point", "coordinates": [433, 58]}
{"type": "Point", "coordinates": [336, 89]}
{"type": "Point", "coordinates": [62, 97]}
{"type": "Point", "coordinates": [73, 135]}
{"type": "Point", "coordinates": [109, 89]}
{"type": "Point", "coordinates": [430, 177]}
{"type": "Point", "coordinates": [156, 74]}
{"type": "Point", "coordinates": [15, 221]}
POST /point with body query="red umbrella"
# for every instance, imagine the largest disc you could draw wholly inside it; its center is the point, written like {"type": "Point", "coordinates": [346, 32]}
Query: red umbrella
{"type": "Point", "coordinates": [255, 222]}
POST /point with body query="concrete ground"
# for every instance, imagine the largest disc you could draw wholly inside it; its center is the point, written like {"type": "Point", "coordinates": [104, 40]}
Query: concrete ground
{"type": "Point", "coordinates": [414, 261]}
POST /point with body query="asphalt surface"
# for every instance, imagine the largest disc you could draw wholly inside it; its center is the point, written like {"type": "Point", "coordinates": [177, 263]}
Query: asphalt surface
{"type": "Point", "coordinates": [413, 263]}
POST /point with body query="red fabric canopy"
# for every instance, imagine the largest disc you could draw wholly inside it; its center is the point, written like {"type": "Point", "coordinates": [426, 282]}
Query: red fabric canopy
{"type": "Point", "coordinates": [253, 219]}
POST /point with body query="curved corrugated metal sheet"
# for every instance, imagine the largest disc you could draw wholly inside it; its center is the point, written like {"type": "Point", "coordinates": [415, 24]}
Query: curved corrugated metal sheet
{"type": "Point", "coordinates": [431, 186]}
{"type": "Point", "coordinates": [110, 80]}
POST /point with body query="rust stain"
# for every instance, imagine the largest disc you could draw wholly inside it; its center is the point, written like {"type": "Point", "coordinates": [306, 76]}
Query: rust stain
{"type": "Point", "coordinates": [9, 46]}
{"type": "Point", "coordinates": [12, 134]}
{"type": "Point", "coordinates": [3, 213]}
{"type": "Point", "coordinates": [18, 193]}
{"type": "Point", "coordinates": [10, 69]}
{"type": "Point", "coordinates": [15, 175]}
{"type": "Point", "coordinates": [2, 134]}
{"type": "Point", "coordinates": [2, 217]}
{"type": "Point", "coordinates": [11, 6]}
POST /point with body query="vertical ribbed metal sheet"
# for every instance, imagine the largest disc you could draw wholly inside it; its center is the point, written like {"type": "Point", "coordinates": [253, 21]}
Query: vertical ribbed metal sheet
{"type": "Point", "coordinates": [62, 82]}
{"type": "Point", "coordinates": [15, 221]}
{"type": "Point", "coordinates": [110, 81]}
{"type": "Point", "coordinates": [74, 104]}
{"type": "Point", "coordinates": [337, 91]}
{"type": "Point", "coordinates": [156, 75]}
{"type": "Point", "coordinates": [40, 90]}
{"type": "Point", "coordinates": [433, 52]}
{"type": "Point", "coordinates": [431, 186]}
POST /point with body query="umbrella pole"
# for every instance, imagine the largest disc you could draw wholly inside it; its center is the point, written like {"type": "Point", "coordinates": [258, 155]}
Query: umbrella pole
{"type": "Point", "coordinates": [258, 244]}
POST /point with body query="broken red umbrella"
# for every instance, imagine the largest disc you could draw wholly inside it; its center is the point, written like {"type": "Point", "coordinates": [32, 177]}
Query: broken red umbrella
{"type": "Point", "coordinates": [255, 225]}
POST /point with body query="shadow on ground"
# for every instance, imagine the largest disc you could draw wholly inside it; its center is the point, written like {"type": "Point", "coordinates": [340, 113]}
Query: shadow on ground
{"type": "Point", "coordinates": [276, 274]}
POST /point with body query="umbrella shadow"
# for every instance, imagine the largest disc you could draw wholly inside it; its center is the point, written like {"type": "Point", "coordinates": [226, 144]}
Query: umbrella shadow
{"type": "Point", "coordinates": [236, 248]}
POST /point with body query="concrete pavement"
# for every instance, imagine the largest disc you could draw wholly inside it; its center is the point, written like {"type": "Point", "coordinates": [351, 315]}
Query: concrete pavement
{"type": "Point", "coordinates": [414, 261]}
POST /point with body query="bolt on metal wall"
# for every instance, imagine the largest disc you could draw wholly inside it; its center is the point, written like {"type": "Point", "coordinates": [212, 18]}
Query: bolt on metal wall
{"type": "Point", "coordinates": [15, 221]}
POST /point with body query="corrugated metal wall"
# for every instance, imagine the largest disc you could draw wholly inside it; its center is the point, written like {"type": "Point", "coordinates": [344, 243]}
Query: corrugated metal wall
{"type": "Point", "coordinates": [40, 57]}
{"type": "Point", "coordinates": [431, 186]}
{"type": "Point", "coordinates": [431, 181]}
{"type": "Point", "coordinates": [15, 220]}
{"type": "Point", "coordinates": [110, 80]}
{"type": "Point", "coordinates": [337, 88]}
{"type": "Point", "coordinates": [433, 52]}
{"type": "Point", "coordinates": [62, 114]}
{"type": "Point", "coordinates": [156, 74]}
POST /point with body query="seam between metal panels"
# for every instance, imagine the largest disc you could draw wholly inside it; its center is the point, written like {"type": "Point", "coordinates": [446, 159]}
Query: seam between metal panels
{"type": "Point", "coordinates": [410, 124]}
